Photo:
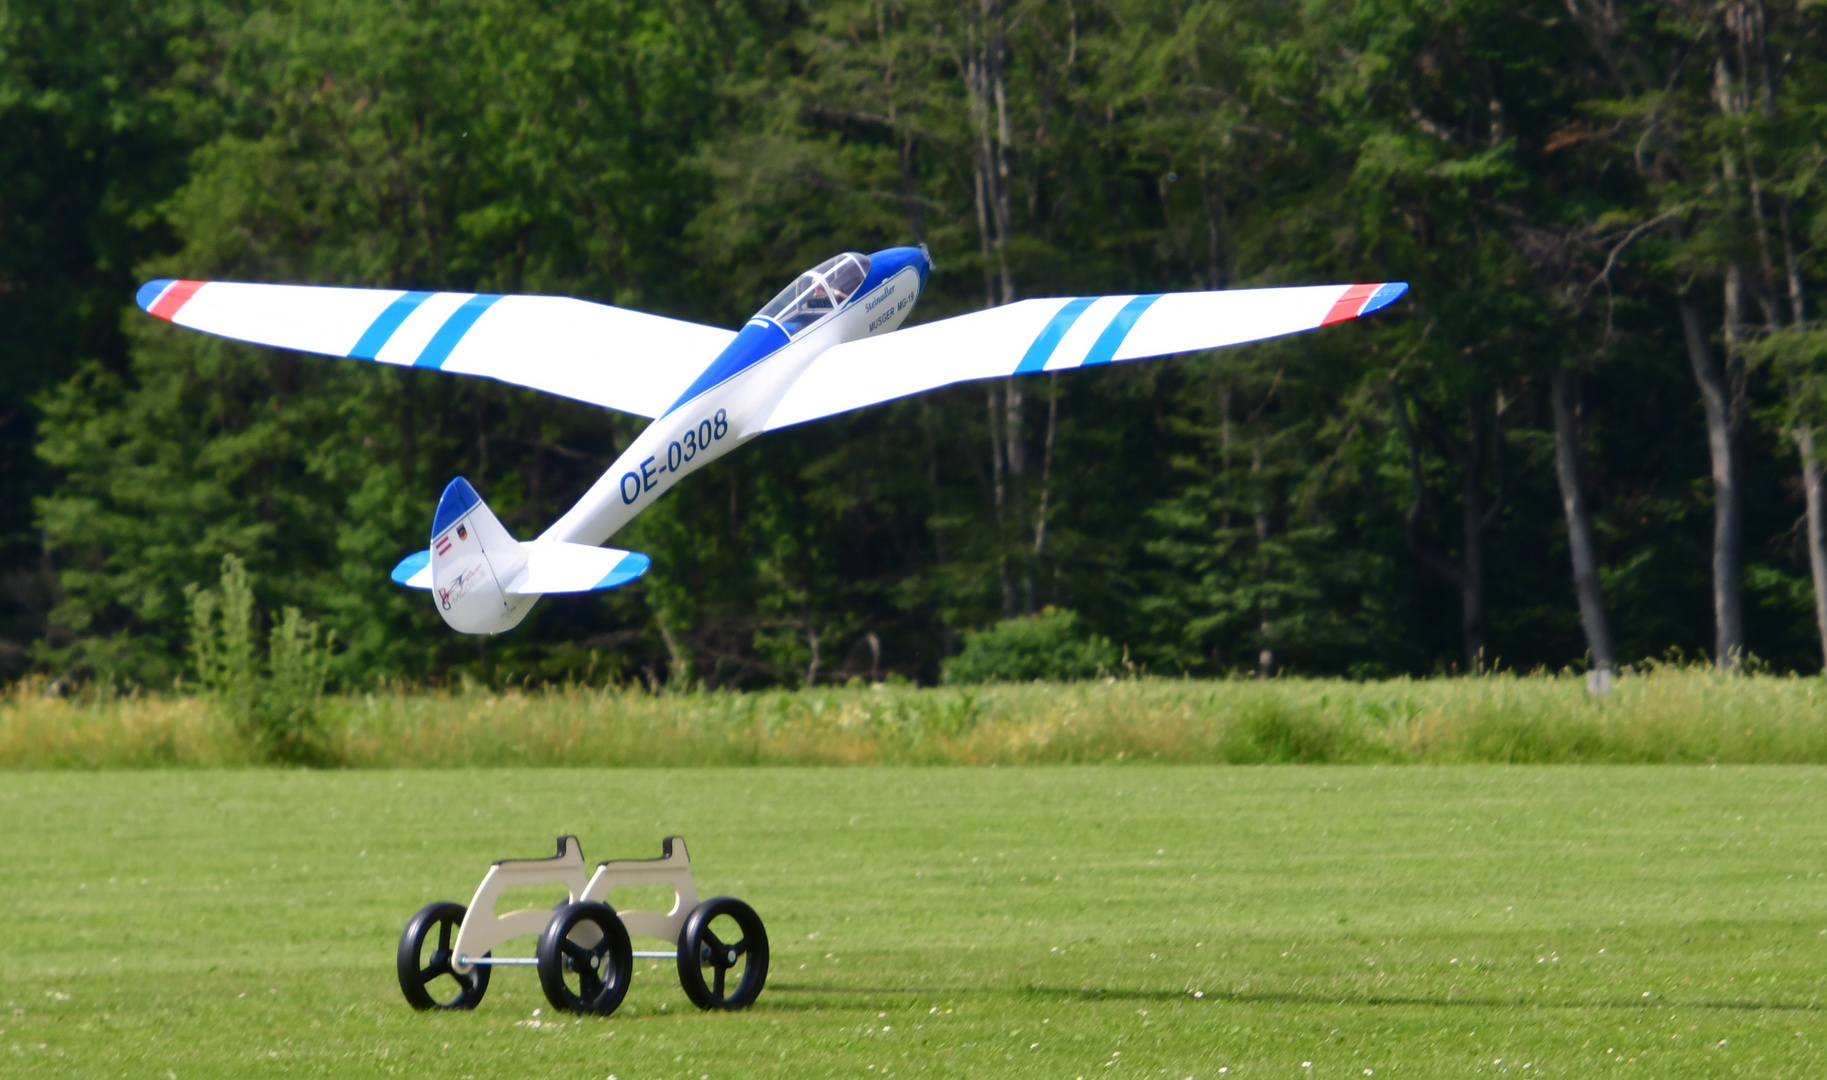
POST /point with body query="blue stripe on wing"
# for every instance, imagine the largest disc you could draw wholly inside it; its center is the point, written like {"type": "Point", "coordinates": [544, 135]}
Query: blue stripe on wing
{"type": "Point", "coordinates": [382, 328]}
{"type": "Point", "coordinates": [438, 349]}
{"type": "Point", "coordinates": [1035, 359]}
{"type": "Point", "coordinates": [1104, 349]}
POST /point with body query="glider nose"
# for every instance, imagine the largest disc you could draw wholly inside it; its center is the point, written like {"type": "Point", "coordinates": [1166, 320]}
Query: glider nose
{"type": "Point", "coordinates": [888, 262]}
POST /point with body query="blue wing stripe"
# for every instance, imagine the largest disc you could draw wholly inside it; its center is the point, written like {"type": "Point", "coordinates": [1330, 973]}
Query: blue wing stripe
{"type": "Point", "coordinates": [1104, 349]}
{"type": "Point", "coordinates": [438, 349]}
{"type": "Point", "coordinates": [1050, 336]}
{"type": "Point", "coordinates": [382, 328]}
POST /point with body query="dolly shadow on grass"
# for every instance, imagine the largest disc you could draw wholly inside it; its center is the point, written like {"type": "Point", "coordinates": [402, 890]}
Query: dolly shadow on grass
{"type": "Point", "coordinates": [1082, 994]}
{"type": "Point", "coordinates": [1402, 1001]}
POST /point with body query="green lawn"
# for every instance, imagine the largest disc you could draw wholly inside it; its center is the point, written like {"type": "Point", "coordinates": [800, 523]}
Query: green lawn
{"type": "Point", "coordinates": [1051, 922]}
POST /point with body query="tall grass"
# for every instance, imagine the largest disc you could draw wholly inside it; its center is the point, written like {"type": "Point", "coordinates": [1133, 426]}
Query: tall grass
{"type": "Point", "coordinates": [1657, 715]}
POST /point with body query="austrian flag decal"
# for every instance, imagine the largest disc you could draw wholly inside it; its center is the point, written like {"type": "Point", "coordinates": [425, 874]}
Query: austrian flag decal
{"type": "Point", "coordinates": [444, 544]}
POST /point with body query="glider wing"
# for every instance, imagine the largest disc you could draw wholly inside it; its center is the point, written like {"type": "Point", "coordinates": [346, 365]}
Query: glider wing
{"type": "Point", "coordinates": [619, 359]}
{"type": "Point", "coordinates": [1057, 334]}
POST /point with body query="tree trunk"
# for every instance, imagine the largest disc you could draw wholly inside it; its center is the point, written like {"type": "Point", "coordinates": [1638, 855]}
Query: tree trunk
{"type": "Point", "coordinates": [1812, 488]}
{"type": "Point", "coordinates": [1581, 543]}
{"type": "Point", "coordinates": [986, 89]}
{"type": "Point", "coordinates": [678, 662]}
{"type": "Point", "coordinates": [999, 497]}
{"type": "Point", "coordinates": [1265, 656]}
{"type": "Point", "coordinates": [1471, 583]}
{"type": "Point", "coordinates": [1716, 397]}
{"type": "Point", "coordinates": [1469, 573]}
{"type": "Point", "coordinates": [812, 667]}
{"type": "Point", "coordinates": [1046, 468]}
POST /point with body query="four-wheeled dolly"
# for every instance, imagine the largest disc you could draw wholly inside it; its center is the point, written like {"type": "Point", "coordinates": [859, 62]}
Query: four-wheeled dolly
{"type": "Point", "coordinates": [584, 955]}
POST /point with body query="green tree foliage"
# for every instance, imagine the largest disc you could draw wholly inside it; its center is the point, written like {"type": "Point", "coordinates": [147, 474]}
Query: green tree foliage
{"type": "Point", "coordinates": [90, 145]}
{"type": "Point", "coordinates": [1562, 184]}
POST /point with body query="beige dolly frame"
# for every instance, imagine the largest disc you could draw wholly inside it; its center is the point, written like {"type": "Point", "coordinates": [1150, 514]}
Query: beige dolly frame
{"type": "Point", "coordinates": [483, 930]}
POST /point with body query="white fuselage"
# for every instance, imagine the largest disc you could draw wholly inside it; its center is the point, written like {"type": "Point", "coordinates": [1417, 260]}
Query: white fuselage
{"type": "Point", "coordinates": [724, 417]}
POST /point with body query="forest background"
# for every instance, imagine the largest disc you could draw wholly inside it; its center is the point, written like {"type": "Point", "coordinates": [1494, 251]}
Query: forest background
{"type": "Point", "coordinates": [1585, 437]}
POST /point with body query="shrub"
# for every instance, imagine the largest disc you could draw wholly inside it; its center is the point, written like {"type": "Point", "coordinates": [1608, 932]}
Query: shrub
{"type": "Point", "coordinates": [277, 706]}
{"type": "Point", "coordinates": [1051, 645]}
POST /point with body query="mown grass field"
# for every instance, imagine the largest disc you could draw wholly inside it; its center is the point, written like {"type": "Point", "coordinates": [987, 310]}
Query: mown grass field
{"type": "Point", "coordinates": [1064, 922]}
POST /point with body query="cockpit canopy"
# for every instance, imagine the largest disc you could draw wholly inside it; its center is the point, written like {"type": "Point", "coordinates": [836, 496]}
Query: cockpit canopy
{"type": "Point", "coordinates": [817, 293]}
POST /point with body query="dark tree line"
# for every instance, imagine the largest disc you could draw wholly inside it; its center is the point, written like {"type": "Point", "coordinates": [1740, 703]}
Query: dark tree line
{"type": "Point", "coordinates": [1588, 435]}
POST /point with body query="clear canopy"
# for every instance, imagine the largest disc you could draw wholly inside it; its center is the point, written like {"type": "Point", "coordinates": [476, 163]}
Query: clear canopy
{"type": "Point", "coordinates": [818, 292]}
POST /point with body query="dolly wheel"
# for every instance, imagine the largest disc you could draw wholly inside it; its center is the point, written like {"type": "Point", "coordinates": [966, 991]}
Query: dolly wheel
{"type": "Point", "coordinates": [436, 925]}
{"type": "Point", "coordinates": [585, 960]}
{"type": "Point", "coordinates": [725, 935]}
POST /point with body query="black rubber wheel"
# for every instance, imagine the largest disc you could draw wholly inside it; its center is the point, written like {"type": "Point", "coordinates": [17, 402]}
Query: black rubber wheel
{"type": "Point", "coordinates": [585, 960]}
{"type": "Point", "coordinates": [436, 925]}
{"type": "Point", "coordinates": [737, 940]}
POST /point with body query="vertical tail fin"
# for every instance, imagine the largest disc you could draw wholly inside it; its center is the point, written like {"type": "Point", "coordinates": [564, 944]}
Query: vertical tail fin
{"type": "Point", "coordinates": [483, 581]}
{"type": "Point", "coordinates": [473, 557]}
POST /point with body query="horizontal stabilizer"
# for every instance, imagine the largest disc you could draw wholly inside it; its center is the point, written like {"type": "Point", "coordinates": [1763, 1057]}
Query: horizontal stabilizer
{"type": "Point", "coordinates": [556, 567]}
{"type": "Point", "coordinates": [552, 567]}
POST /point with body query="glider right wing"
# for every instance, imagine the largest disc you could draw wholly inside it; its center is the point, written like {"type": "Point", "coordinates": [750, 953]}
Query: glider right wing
{"type": "Point", "coordinates": [609, 356]}
{"type": "Point", "coordinates": [1061, 333]}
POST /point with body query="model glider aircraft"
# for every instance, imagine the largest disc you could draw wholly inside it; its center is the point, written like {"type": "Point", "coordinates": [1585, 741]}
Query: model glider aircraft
{"type": "Point", "coordinates": [825, 345]}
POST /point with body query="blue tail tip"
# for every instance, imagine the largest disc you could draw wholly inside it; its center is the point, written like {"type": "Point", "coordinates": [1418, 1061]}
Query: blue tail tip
{"type": "Point", "coordinates": [149, 293]}
{"type": "Point", "coordinates": [632, 566]}
{"type": "Point", "coordinates": [1389, 293]}
{"type": "Point", "coordinates": [458, 499]}
{"type": "Point", "coordinates": [410, 566]}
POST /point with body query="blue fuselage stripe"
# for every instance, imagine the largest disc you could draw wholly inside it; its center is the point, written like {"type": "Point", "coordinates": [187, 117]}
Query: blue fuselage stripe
{"type": "Point", "coordinates": [382, 328]}
{"type": "Point", "coordinates": [1104, 349]}
{"type": "Point", "coordinates": [758, 339]}
{"type": "Point", "coordinates": [1041, 351]}
{"type": "Point", "coordinates": [438, 349]}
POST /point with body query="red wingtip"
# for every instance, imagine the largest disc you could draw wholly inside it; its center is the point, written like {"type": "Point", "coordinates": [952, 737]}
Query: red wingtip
{"type": "Point", "coordinates": [1347, 305]}
{"type": "Point", "coordinates": [175, 296]}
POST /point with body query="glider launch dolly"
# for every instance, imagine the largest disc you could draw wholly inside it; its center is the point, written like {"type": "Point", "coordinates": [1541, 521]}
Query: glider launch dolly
{"type": "Point", "coordinates": [584, 957]}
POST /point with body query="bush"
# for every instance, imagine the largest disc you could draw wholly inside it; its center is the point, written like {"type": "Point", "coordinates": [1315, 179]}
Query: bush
{"type": "Point", "coordinates": [1052, 645]}
{"type": "Point", "coordinates": [277, 706]}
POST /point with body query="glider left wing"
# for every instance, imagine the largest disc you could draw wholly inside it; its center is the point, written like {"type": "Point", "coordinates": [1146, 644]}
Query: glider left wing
{"type": "Point", "coordinates": [609, 356]}
{"type": "Point", "coordinates": [1061, 333]}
